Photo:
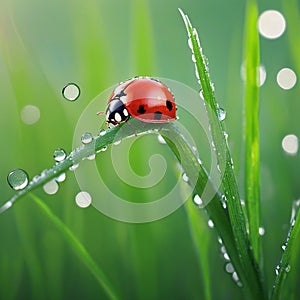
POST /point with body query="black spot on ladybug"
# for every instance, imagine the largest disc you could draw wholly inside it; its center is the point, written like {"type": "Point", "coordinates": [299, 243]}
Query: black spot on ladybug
{"type": "Point", "coordinates": [157, 115]}
{"type": "Point", "coordinates": [169, 105]}
{"type": "Point", "coordinates": [141, 109]}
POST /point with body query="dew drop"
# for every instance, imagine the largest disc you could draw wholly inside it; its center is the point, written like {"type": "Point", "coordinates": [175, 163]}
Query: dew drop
{"type": "Point", "coordinates": [161, 140]}
{"type": "Point", "coordinates": [221, 114]}
{"type": "Point", "coordinates": [83, 199]}
{"type": "Point", "coordinates": [229, 268]}
{"type": "Point", "coordinates": [51, 187]}
{"type": "Point", "coordinates": [193, 58]}
{"type": "Point", "coordinates": [91, 157]}
{"type": "Point", "coordinates": [220, 240]}
{"type": "Point", "coordinates": [226, 256]}
{"type": "Point", "coordinates": [74, 167]}
{"type": "Point", "coordinates": [59, 154]}
{"type": "Point", "coordinates": [277, 270]}
{"type": "Point", "coordinates": [185, 178]}
{"type": "Point", "coordinates": [102, 132]}
{"type": "Point", "coordinates": [17, 179]}
{"type": "Point", "coordinates": [71, 92]}
{"type": "Point", "coordinates": [261, 231]}
{"type": "Point", "coordinates": [197, 200]}
{"type": "Point", "coordinates": [283, 247]}
{"type": "Point", "coordinates": [86, 138]}
{"type": "Point", "coordinates": [61, 177]}
{"type": "Point", "coordinates": [287, 268]}
{"type": "Point", "coordinates": [235, 276]}
{"type": "Point", "coordinates": [223, 249]}
{"type": "Point", "coordinates": [190, 43]}
{"type": "Point", "coordinates": [210, 224]}
{"type": "Point", "coordinates": [104, 149]}
{"type": "Point", "coordinates": [117, 142]}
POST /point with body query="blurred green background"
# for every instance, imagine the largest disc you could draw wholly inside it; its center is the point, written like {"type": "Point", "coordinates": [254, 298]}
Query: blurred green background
{"type": "Point", "coordinates": [45, 45]}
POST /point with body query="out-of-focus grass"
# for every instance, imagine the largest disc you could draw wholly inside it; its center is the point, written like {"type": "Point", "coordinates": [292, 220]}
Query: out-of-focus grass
{"type": "Point", "coordinates": [62, 43]}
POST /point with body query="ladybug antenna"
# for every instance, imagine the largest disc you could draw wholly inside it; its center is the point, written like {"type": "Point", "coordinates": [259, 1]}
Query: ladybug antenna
{"type": "Point", "coordinates": [100, 113]}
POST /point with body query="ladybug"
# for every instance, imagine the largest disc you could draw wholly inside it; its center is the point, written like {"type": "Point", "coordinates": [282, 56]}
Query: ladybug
{"type": "Point", "coordinates": [142, 98]}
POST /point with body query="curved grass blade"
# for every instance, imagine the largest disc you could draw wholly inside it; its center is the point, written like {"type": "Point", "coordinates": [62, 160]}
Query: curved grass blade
{"type": "Point", "coordinates": [237, 219]}
{"type": "Point", "coordinates": [79, 249]}
{"type": "Point", "coordinates": [252, 166]}
{"type": "Point", "coordinates": [290, 253]}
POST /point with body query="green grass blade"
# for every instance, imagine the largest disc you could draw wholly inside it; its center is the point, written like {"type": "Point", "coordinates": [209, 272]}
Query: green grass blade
{"type": "Point", "coordinates": [79, 249]}
{"type": "Point", "coordinates": [252, 166]}
{"type": "Point", "coordinates": [290, 253]}
{"type": "Point", "coordinates": [142, 41]}
{"type": "Point", "coordinates": [237, 218]}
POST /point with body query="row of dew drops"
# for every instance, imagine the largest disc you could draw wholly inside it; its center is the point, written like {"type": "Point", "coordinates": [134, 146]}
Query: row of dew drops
{"type": "Point", "coordinates": [18, 179]}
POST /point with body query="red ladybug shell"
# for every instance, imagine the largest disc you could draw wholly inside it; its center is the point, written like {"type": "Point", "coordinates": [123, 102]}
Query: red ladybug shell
{"type": "Point", "coordinates": [145, 99]}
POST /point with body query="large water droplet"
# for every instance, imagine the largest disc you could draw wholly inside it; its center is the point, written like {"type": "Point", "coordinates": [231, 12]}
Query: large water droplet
{"type": "Point", "coordinates": [17, 179]}
{"type": "Point", "coordinates": [51, 187]}
{"type": "Point", "coordinates": [71, 92]}
{"type": "Point", "coordinates": [83, 199]}
{"type": "Point", "coordinates": [86, 138]}
{"type": "Point", "coordinates": [221, 114]}
{"type": "Point", "coordinates": [59, 154]}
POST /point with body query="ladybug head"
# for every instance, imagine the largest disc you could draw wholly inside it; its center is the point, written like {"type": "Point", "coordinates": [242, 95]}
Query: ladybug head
{"type": "Point", "coordinates": [116, 112]}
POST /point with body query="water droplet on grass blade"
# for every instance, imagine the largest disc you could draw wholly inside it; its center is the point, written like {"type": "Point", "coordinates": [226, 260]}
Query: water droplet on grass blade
{"type": "Point", "coordinates": [261, 231]}
{"type": "Point", "coordinates": [229, 268]}
{"type": "Point", "coordinates": [185, 178]}
{"type": "Point", "coordinates": [83, 199]}
{"type": "Point", "coordinates": [86, 138]}
{"type": "Point", "coordinates": [210, 224]}
{"type": "Point", "coordinates": [59, 154]}
{"type": "Point", "coordinates": [74, 167]}
{"type": "Point", "coordinates": [61, 177]}
{"type": "Point", "coordinates": [221, 114]}
{"type": "Point", "coordinates": [91, 157]}
{"type": "Point", "coordinates": [71, 92]}
{"type": "Point", "coordinates": [102, 132]}
{"type": "Point", "coordinates": [51, 187]}
{"type": "Point", "coordinates": [197, 200]}
{"type": "Point", "coordinates": [161, 140]}
{"type": "Point", "coordinates": [17, 179]}
{"type": "Point", "coordinates": [287, 268]}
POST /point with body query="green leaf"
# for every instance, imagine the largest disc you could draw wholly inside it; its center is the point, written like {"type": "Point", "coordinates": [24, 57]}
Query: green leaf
{"type": "Point", "coordinates": [79, 249]}
{"type": "Point", "coordinates": [290, 253]}
{"type": "Point", "coordinates": [253, 282]}
{"type": "Point", "coordinates": [252, 169]}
